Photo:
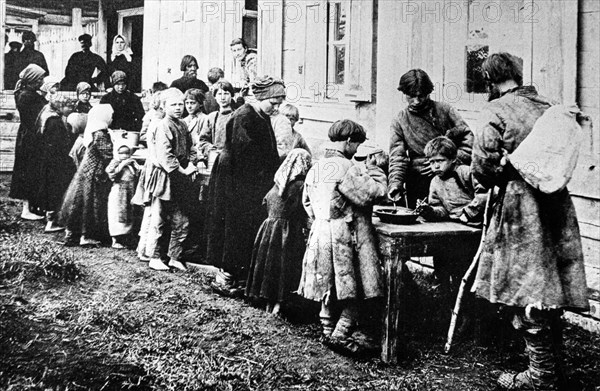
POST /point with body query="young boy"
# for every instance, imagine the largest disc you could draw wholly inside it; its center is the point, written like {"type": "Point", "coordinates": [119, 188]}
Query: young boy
{"type": "Point", "coordinates": [194, 105]}
{"type": "Point", "coordinates": [84, 93]}
{"type": "Point", "coordinates": [123, 171]}
{"type": "Point", "coordinates": [292, 113]}
{"type": "Point", "coordinates": [341, 266]}
{"type": "Point", "coordinates": [212, 133]}
{"type": "Point", "coordinates": [173, 168]}
{"type": "Point", "coordinates": [453, 194]}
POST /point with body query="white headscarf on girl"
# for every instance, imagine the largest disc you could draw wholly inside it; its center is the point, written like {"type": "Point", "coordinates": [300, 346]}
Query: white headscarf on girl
{"type": "Point", "coordinates": [99, 118]}
{"type": "Point", "coordinates": [296, 164]}
{"type": "Point", "coordinates": [116, 52]}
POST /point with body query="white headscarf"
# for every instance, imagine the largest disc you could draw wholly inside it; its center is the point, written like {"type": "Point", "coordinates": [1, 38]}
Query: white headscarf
{"type": "Point", "coordinates": [296, 164]}
{"type": "Point", "coordinates": [116, 52]}
{"type": "Point", "coordinates": [99, 118]}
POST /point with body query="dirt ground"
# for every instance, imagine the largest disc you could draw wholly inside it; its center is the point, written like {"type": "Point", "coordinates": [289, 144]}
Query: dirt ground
{"type": "Point", "coordinates": [99, 319]}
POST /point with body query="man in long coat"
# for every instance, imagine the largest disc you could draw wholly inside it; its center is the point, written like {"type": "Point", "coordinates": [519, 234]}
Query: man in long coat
{"type": "Point", "coordinates": [31, 56]}
{"type": "Point", "coordinates": [532, 261]}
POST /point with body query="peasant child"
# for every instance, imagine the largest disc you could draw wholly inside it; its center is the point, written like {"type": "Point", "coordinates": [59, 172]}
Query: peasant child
{"type": "Point", "coordinates": [292, 114]}
{"type": "Point", "coordinates": [212, 134]}
{"type": "Point", "coordinates": [123, 171]}
{"type": "Point", "coordinates": [154, 110]}
{"type": "Point", "coordinates": [84, 93]}
{"type": "Point", "coordinates": [77, 121]}
{"type": "Point", "coordinates": [173, 170]}
{"type": "Point", "coordinates": [142, 197]}
{"type": "Point", "coordinates": [279, 246]}
{"type": "Point", "coordinates": [341, 267]}
{"type": "Point", "coordinates": [194, 104]}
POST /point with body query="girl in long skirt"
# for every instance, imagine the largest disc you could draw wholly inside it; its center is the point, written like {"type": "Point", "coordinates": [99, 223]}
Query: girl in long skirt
{"type": "Point", "coordinates": [279, 246]}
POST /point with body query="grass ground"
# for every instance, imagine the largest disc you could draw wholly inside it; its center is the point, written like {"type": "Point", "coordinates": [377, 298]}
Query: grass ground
{"type": "Point", "coordinates": [79, 319]}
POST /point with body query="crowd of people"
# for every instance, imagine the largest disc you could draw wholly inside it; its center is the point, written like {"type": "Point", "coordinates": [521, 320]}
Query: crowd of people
{"type": "Point", "coordinates": [273, 220]}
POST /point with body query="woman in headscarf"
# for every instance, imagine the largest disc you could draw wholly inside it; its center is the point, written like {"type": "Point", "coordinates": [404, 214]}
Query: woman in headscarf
{"type": "Point", "coordinates": [84, 209]}
{"type": "Point", "coordinates": [53, 166]}
{"type": "Point", "coordinates": [241, 177]}
{"type": "Point", "coordinates": [122, 59]}
{"type": "Point", "coordinates": [29, 102]}
{"type": "Point", "coordinates": [279, 246]}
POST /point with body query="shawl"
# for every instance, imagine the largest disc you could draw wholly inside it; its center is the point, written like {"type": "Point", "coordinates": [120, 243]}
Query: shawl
{"type": "Point", "coordinates": [267, 87]}
{"type": "Point", "coordinates": [32, 74]}
{"type": "Point", "coordinates": [296, 164]}
{"type": "Point", "coordinates": [115, 52]}
{"type": "Point", "coordinates": [99, 117]}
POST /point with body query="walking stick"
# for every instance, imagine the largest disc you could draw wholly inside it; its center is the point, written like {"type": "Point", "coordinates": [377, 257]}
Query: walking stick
{"type": "Point", "coordinates": [467, 276]}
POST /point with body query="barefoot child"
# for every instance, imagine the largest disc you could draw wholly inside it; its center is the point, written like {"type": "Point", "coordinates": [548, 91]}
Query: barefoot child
{"type": "Point", "coordinates": [341, 266]}
{"type": "Point", "coordinates": [173, 170]}
{"type": "Point", "coordinates": [279, 246]}
{"type": "Point", "coordinates": [123, 171]}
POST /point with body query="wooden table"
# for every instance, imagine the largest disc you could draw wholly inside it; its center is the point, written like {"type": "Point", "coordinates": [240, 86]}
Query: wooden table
{"type": "Point", "coordinates": [398, 243]}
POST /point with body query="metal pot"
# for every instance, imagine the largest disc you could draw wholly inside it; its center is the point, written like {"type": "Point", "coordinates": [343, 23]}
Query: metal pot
{"type": "Point", "coordinates": [396, 215]}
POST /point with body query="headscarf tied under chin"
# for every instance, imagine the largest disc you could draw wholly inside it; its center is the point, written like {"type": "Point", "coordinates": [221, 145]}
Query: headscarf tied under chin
{"type": "Point", "coordinates": [296, 164]}
{"type": "Point", "coordinates": [267, 87]}
{"type": "Point", "coordinates": [99, 118]}
{"type": "Point", "coordinates": [116, 52]}
{"type": "Point", "coordinates": [31, 75]}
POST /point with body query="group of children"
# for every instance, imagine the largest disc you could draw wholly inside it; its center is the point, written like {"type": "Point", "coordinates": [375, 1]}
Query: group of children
{"type": "Point", "coordinates": [338, 263]}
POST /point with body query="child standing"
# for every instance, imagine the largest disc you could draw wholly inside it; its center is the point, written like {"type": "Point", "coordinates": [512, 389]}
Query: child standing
{"type": "Point", "coordinates": [173, 170]}
{"type": "Point", "coordinates": [194, 104]}
{"type": "Point", "coordinates": [453, 195]}
{"type": "Point", "coordinates": [279, 246]}
{"type": "Point", "coordinates": [212, 134]}
{"type": "Point", "coordinates": [78, 122]}
{"type": "Point", "coordinates": [154, 111]}
{"type": "Point", "coordinates": [341, 266]}
{"type": "Point", "coordinates": [123, 172]}
{"type": "Point", "coordinates": [292, 113]}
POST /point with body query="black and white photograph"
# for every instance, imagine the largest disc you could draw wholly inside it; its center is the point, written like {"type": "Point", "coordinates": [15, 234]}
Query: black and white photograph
{"type": "Point", "coordinates": [319, 195]}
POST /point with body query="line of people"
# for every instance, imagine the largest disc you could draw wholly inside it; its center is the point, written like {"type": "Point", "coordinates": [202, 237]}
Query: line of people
{"type": "Point", "coordinates": [264, 194]}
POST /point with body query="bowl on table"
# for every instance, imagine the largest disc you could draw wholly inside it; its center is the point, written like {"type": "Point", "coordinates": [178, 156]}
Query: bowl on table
{"type": "Point", "coordinates": [396, 215]}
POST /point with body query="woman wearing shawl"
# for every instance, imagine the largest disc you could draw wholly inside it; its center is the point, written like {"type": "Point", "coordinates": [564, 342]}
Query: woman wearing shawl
{"type": "Point", "coordinates": [279, 246]}
{"type": "Point", "coordinates": [29, 102]}
{"type": "Point", "coordinates": [84, 209]}
{"type": "Point", "coordinates": [121, 59]}
{"type": "Point", "coordinates": [54, 168]}
{"type": "Point", "coordinates": [243, 175]}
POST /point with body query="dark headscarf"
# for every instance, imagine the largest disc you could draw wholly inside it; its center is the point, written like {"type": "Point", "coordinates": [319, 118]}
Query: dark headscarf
{"type": "Point", "coordinates": [267, 87]}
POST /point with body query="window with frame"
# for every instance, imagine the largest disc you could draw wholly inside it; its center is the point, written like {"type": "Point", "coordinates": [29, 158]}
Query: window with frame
{"type": "Point", "coordinates": [250, 23]}
{"type": "Point", "coordinates": [336, 43]}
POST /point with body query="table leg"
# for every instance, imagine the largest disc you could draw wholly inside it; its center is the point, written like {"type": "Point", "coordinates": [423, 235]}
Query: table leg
{"type": "Point", "coordinates": [392, 337]}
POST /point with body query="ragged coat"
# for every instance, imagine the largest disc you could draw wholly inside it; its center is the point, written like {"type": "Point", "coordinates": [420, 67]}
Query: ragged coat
{"type": "Point", "coordinates": [532, 254]}
{"type": "Point", "coordinates": [341, 260]}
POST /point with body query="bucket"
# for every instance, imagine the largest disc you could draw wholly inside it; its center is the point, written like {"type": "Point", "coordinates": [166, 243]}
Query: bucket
{"type": "Point", "coordinates": [123, 137]}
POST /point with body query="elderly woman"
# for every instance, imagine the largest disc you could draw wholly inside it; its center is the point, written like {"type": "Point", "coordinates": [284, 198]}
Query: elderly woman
{"type": "Point", "coordinates": [84, 209]}
{"type": "Point", "coordinates": [243, 175]}
{"type": "Point", "coordinates": [127, 106]}
{"type": "Point", "coordinates": [189, 67]}
{"type": "Point", "coordinates": [54, 168]}
{"type": "Point", "coordinates": [29, 103]}
{"type": "Point", "coordinates": [121, 59]}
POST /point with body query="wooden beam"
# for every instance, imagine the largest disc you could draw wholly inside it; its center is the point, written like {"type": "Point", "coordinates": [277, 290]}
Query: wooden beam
{"type": "Point", "coordinates": [2, 43]}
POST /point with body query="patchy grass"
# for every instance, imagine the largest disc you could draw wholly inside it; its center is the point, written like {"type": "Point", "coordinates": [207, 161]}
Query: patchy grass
{"type": "Point", "coordinates": [99, 319]}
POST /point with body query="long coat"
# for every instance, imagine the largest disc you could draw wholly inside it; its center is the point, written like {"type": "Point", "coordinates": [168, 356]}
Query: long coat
{"type": "Point", "coordinates": [410, 132]}
{"type": "Point", "coordinates": [241, 177]}
{"type": "Point", "coordinates": [54, 167]}
{"type": "Point", "coordinates": [84, 209]}
{"type": "Point", "coordinates": [341, 260]}
{"type": "Point", "coordinates": [128, 110]}
{"type": "Point", "coordinates": [30, 104]}
{"type": "Point", "coordinates": [81, 67]}
{"type": "Point", "coordinates": [532, 253]}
